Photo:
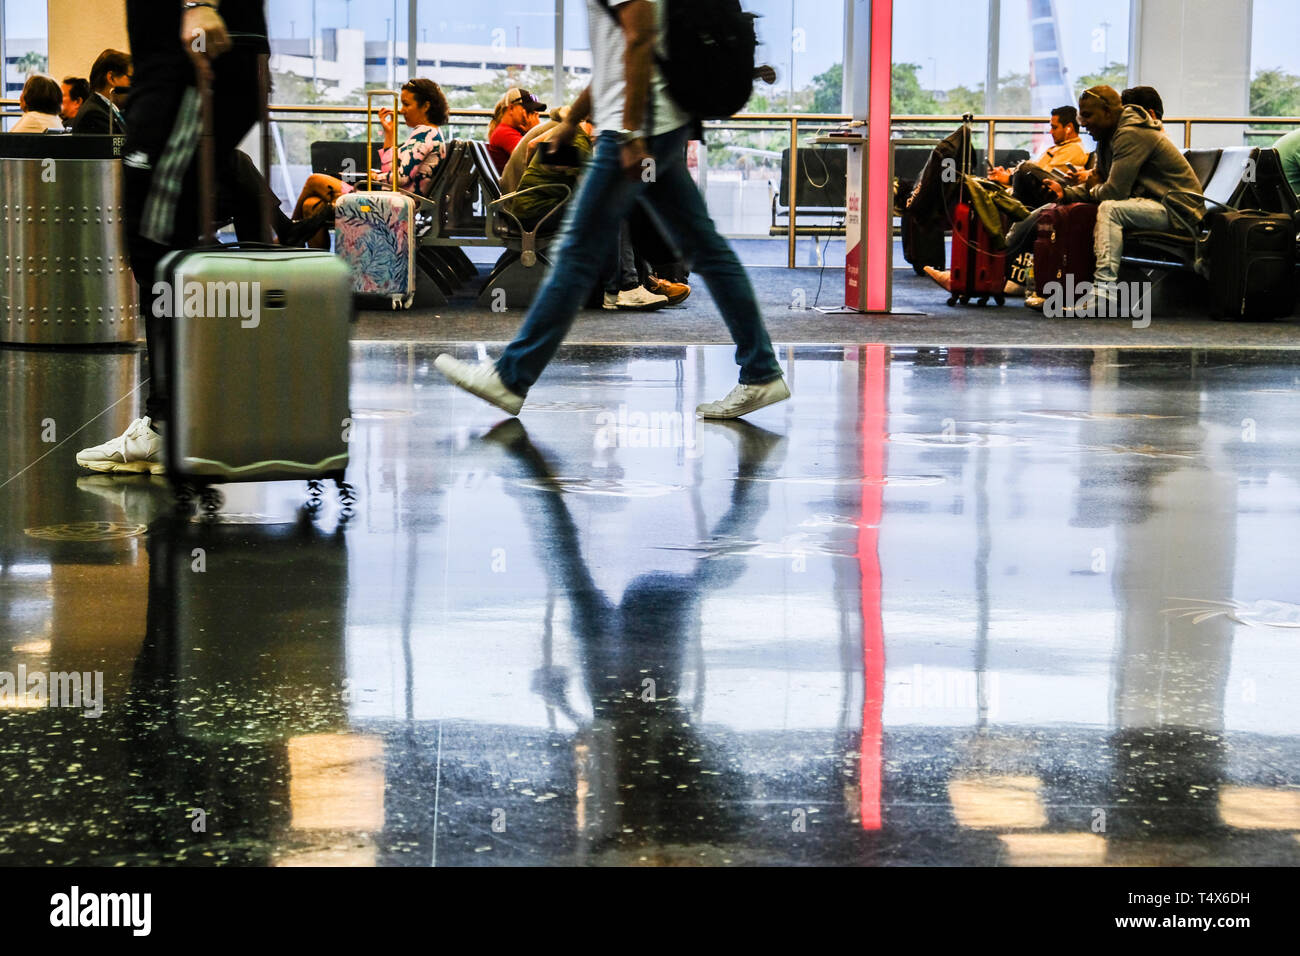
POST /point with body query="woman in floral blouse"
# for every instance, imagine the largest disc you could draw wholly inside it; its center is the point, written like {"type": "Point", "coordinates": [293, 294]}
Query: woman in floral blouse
{"type": "Point", "coordinates": [424, 109]}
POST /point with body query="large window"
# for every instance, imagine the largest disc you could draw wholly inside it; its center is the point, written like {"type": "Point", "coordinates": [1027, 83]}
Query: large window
{"type": "Point", "coordinates": [24, 44]}
{"type": "Point", "coordinates": [1045, 50]}
{"type": "Point", "coordinates": [1274, 66]}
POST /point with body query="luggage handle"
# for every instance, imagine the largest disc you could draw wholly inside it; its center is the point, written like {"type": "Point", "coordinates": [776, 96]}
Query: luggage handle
{"type": "Point", "coordinates": [370, 166]}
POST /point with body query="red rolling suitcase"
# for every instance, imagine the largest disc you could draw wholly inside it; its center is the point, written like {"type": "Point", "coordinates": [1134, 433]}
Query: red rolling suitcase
{"type": "Point", "coordinates": [1064, 246]}
{"type": "Point", "coordinates": [977, 271]}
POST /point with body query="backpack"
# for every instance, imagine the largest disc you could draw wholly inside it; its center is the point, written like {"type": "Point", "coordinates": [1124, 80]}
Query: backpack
{"type": "Point", "coordinates": [709, 69]}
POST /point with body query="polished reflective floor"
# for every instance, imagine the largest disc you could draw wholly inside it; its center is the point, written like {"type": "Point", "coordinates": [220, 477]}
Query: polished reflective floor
{"type": "Point", "coordinates": [979, 607]}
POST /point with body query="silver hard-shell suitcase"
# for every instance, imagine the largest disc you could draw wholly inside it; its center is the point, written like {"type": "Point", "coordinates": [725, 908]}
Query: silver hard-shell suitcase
{"type": "Point", "coordinates": [259, 357]}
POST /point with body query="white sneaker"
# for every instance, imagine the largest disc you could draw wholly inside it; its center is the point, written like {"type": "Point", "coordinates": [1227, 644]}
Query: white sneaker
{"type": "Point", "coordinates": [640, 299]}
{"type": "Point", "coordinates": [611, 302]}
{"type": "Point", "coordinates": [744, 399]}
{"type": "Point", "coordinates": [137, 450]}
{"type": "Point", "coordinates": [481, 380]}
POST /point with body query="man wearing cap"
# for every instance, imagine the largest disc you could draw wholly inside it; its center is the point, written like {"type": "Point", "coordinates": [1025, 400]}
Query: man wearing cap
{"type": "Point", "coordinates": [517, 113]}
{"type": "Point", "coordinates": [1137, 167]}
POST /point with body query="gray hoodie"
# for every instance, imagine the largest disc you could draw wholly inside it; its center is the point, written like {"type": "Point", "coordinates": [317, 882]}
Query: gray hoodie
{"type": "Point", "coordinates": [1140, 161]}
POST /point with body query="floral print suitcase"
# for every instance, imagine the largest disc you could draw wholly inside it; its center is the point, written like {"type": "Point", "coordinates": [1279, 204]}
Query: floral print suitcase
{"type": "Point", "coordinates": [375, 235]}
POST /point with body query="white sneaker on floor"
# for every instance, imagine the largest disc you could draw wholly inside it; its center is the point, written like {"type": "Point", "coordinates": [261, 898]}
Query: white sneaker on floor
{"type": "Point", "coordinates": [137, 450]}
{"type": "Point", "coordinates": [640, 299]}
{"type": "Point", "coordinates": [744, 399]}
{"type": "Point", "coordinates": [481, 380]}
{"type": "Point", "coordinates": [611, 302]}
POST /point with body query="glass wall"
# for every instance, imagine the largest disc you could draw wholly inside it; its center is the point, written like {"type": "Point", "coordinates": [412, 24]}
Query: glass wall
{"type": "Point", "coordinates": [1274, 67]}
{"type": "Point", "coordinates": [24, 46]}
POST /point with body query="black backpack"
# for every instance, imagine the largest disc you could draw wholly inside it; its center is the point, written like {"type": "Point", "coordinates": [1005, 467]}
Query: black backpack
{"type": "Point", "coordinates": [709, 69]}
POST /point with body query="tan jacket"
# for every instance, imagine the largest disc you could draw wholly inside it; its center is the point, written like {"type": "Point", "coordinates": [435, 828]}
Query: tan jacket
{"type": "Point", "coordinates": [1058, 157]}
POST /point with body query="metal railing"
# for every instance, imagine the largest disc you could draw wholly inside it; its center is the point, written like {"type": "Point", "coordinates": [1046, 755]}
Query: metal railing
{"type": "Point", "coordinates": [287, 113]}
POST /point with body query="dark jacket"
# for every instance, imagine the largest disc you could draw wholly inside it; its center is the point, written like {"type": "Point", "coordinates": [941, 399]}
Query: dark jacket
{"type": "Point", "coordinates": [93, 117]}
{"type": "Point", "coordinates": [1140, 161]}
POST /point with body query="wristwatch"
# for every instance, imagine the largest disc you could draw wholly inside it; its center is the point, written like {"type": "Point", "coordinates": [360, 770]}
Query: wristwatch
{"type": "Point", "coordinates": [626, 136]}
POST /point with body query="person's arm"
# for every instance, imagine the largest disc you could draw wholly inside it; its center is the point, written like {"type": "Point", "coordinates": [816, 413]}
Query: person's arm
{"type": "Point", "coordinates": [639, 32]}
{"type": "Point", "coordinates": [1129, 152]}
{"type": "Point", "coordinates": [579, 111]}
{"type": "Point", "coordinates": [203, 32]}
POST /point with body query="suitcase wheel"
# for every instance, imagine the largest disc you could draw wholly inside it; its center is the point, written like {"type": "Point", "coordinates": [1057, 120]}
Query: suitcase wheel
{"type": "Point", "coordinates": [211, 500]}
{"type": "Point", "coordinates": [1001, 299]}
{"type": "Point", "coordinates": [982, 300]}
{"type": "Point", "coordinates": [952, 299]}
{"type": "Point", "coordinates": [315, 495]}
{"type": "Point", "coordinates": [347, 494]}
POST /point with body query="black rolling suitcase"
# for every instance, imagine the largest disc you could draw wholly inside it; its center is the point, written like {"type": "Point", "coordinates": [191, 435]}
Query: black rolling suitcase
{"type": "Point", "coordinates": [1251, 258]}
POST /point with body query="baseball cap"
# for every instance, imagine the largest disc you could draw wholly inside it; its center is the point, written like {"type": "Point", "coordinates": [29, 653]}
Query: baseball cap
{"type": "Point", "coordinates": [530, 103]}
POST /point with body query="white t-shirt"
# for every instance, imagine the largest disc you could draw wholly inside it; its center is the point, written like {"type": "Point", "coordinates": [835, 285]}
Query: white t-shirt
{"type": "Point", "coordinates": [607, 81]}
{"type": "Point", "coordinates": [34, 122]}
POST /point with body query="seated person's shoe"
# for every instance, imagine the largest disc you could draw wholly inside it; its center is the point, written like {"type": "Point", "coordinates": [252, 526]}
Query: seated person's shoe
{"type": "Point", "coordinates": [136, 451]}
{"type": "Point", "coordinates": [676, 291]}
{"type": "Point", "coordinates": [744, 399]}
{"type": "Point", "coordinates": [300, 230]}
{"type": "Point", "coordinates": [940, 276]}
{"type": "Point", "coordinates": [481, 380]}
{"type": "Point", "coordinates": [640, 299]}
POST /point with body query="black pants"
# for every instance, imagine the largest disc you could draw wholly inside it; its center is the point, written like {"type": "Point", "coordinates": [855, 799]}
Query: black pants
{"type": "Point", "coordinates": [1029, 185]}
{"type": "Point", "coordinates": [163, 73]}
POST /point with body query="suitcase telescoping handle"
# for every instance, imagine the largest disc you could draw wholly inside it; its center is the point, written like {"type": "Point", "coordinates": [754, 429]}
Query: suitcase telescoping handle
{"type": "Point", "coordinates": [370, 166]}
{"type": "Point", "coordinates": [207, 148]}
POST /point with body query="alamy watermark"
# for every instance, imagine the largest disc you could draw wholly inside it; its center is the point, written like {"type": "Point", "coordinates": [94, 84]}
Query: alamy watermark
{"type": "Point", "coordinates": [1088, 300]}
{"type": "Point", "coordinates": [215, 300]}
{"type": "Point", "coordinates": [630, 429]}
{"type": "Point", "coordinates": [34, 689]}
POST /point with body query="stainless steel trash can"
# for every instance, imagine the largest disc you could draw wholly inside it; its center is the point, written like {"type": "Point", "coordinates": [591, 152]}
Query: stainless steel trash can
{"type": "Point", "coordinates": [65, 277]}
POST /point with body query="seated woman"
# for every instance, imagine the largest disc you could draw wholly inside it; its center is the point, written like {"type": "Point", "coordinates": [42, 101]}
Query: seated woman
{"type": "Point", "coordinates": [424, 109]}
{"type": "Point", "coordinates": [41, 101]}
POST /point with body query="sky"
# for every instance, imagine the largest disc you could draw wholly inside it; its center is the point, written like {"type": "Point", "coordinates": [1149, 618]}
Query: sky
{"type": "Point", "coordinates": [946, 37]}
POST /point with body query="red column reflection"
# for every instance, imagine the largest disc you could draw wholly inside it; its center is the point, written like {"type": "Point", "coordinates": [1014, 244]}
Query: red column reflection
{"type": "Point", "coordinates": [875, 385]}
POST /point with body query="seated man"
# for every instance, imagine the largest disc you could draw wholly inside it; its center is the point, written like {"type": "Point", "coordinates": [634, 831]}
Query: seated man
{"type": "Point", "coordinates": [516, 114]}
{"type": "Point", "coordinates": [1145, 97]}
{"type": "Point", "coordinates": [1066, 157]}
{"type": "Point", "coordinates": [75, 92]}
{"type": "Point", "coordinates": [1136, 167]}
{"type": "Point", "coordinates": [100, 114]}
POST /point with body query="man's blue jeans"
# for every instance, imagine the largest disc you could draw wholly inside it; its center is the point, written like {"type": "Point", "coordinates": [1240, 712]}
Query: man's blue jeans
{"type": "Point", "coordinates": [590, 229]}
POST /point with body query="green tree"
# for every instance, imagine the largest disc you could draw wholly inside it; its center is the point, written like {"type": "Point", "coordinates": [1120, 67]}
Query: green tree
{"type": "Point", "coordinates": [1274, 93]}
{"type": "Point", "coordinates": [828, 90]}
{"type": "Point", "coordinates": [32, 62]}
{"type": "Point", "coordinates": [963, 99]}
{"type": "Point", "coordinates": [1112, 74]}
{"type": "Point", "coordinates": [907, 96]}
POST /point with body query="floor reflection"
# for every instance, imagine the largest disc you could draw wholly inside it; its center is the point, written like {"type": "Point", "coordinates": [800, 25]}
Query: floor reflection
{"type": "Point", "coordinates": [946, 607]}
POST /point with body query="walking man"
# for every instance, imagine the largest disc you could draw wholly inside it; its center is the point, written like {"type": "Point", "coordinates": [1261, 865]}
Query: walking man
{"type": "Point", "coordinates": [641, 149]}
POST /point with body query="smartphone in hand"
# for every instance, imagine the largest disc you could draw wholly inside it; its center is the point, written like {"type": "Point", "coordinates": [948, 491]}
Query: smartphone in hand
{"type": "Point", "coordinates": [566, 155]}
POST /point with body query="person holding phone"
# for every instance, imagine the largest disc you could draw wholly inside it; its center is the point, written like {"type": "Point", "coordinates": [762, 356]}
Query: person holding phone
{"type": "Point", "coordinates": [424, 110]}
{"type": "Point", "coordinates": [1064, 161]}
